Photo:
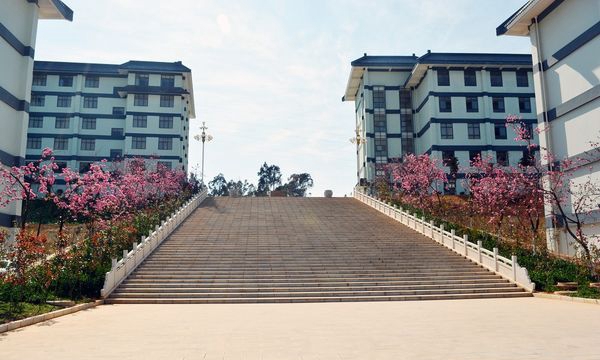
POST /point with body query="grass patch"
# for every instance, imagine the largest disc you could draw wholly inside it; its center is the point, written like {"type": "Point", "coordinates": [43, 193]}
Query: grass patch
{"type": "Point", "coordinates": [23, 310]}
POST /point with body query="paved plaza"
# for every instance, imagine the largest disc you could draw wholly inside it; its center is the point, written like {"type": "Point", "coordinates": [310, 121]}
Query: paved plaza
{"type": "Point", "coordinates": [522, 328]}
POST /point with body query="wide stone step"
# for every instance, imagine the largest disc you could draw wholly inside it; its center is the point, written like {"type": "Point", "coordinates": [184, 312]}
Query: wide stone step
{"type": "Point", "coordinates": [336, 298]}
{"type": "Point", "coordinates": [250, 289]}
{"type": "Point", "coordinates": [266, 265]}
{"type": "Point", "coordinates": [341, 292]}
{"type": "Point", "coordinates": [330, 277]}
{"type": "Point", "coordinates": [299, 283]}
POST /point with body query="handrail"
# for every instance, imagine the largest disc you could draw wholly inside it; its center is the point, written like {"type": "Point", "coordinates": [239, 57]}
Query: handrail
{"type": "Point", "coordinates": [491, 260]}
{"type": "Point", "coordinates": [134, 257]}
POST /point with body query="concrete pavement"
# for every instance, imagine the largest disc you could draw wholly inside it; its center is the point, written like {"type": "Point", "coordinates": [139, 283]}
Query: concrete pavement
{"type": "Point", "coordinates": [523, 328]}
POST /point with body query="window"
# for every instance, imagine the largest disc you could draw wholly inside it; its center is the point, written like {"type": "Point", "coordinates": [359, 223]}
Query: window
{"type": "Point", "coordinates": [65, 81]}
{"type": "Point", "coordinates": [447, 131]}
{"type": "Point", "coordinates": [39, 79]}
{"type": "Point", "coordinates": [61, 144]}
{"type": "Point", "coordinates": [472, 104]}
{"type": "Point", "coordinates": [470, 78]}
{"type": "Point", "coordinates": [140, 100]}
{"type": "Point", "coordinates": [138, 142]}
{"type": "Point", "coordinates": [379, 121]}
{"type": "Point", "coordinates": [528, 131]}
{"type": "Point", "coordinates": [116, 132]}
{"type": "Point", "coordinates": [167, 81]}
{"type": "Point", "coordinates": [116, 154]}
{"type": "Point", "coordinates": [448, 157]}
{"type": "Point", "coordinates": [62, 122]}
{"type": "Point", "coordinates": [84, 166]}
{"type": "Point", "coordinates": [118, 110]}
{"type": "Point", "coordinates": [500, 131]}
{"type": "Point", "coordinates": [474, 155]}
{"type": "Point", "coordinates": [92, 81]}
{"type": "Point", "coordinates": [405, 100]}
{"type": "Point", "coordinates": [164, 165]}
{"type": "Point", "coordinates": [408, 146]}
{"type": "Point", "coordinates": [165, 143]}
{"type": "Point", "coordinates": [528, 158]}
{"type": "Point", "coordinates": [36, 122]}
{"type": "Point", "coordinates": [34, 143]}
{"type": "Point", "coordinates": [474, 131]}
{"type": "Point", "coordinates": [140, 121]}
{"type": "Point", "coordinates": [443, 77]}
{"type": "Point", "coordinates": [450, 187]}
{"type": "Point", "coordinates": [378, 97]}
{"type": "Point", "coordinates": [167, 101]}
{"type": "Point", "coordinates": [63, 101]}
{"type": "Point", "coordinates": [502, 158]}
{"type": "Point", "coordinates": [445, 104]}
{"type": "Point", "coordinates": [90, 102]}
{"type": "Point", "coordinates": [61, 166]}
{"type": "Point", "coordinates": [498, 104]}
{"type": "Point", "coordinates": [524, 105]}
{"type": "Point", "coordinates": [522, 79]}
{"type": "Point", "coordinates": [88, 123]}
{"type": "Point", "coordinates": [88, 144]}
{"type": "Point", "coordinates": [38, 100]}
{"type": "Point", "coordinates": [166, 122]}
{"type": "Point", "coordinates": [496, 78]}
{"type": "Point", "coordinates": [406, 123]}
{"type": "Point", "coordinates": [381, 145]}
{"type": "Point", "coordinates": [142, 79]}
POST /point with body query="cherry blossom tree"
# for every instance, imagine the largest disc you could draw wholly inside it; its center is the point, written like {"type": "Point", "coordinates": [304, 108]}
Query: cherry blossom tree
{"type": "Point", "coordinates": [419, 179]}
{"type": "Point", "coordinates": [20, 182]}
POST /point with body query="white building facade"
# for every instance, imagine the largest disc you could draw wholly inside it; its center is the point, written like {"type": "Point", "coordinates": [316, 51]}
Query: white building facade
{"type": "Point", "coordinates": [448, 105]}
{"type": "Point", "coordinates": [89, 112]}
{"type": "Point", "coordinates": [566, 54]}
{"type": "Point", "coordinates": [18, 30]}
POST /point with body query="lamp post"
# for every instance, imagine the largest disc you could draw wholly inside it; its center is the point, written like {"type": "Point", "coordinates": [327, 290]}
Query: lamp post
{"type": "Point", "coordinates": [358, 140]}
{"type": "Point", "coordinates": [204, 137]}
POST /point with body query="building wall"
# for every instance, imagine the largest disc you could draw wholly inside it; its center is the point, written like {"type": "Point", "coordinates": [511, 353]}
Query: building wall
{"type": "Point", "coordinates": [566, 44]}
{"type": "Point", "coordinates": [115, 130]}
{"type": "Point", "coordinates": [392, 82]}
{"type": "Point", "coordinates": [431, 118]}
{"type": "Point", "coordinates": [428, 119]}
{"type": "Point", "coordinates": [18, 27]}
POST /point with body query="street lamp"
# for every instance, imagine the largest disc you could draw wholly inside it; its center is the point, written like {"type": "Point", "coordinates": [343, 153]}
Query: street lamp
{"type": "Point", "coordinates": [358, 140]}
{"type": "Point", "coordinates": [204, 137]}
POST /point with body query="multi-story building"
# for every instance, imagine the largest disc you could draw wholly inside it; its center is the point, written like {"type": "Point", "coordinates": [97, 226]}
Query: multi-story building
{"type": "Point", "coordinates": [90, 112]}
{"type": "Point", "coordinates": [566, 54]}
{"type": "Point", "coordinates": [18, 30]}
{"type": "Point", "coordinates": [452, 106]}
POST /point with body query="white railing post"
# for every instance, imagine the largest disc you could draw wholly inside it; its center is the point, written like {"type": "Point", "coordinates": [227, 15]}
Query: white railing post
{"type": "Point", "coordinates": [113, 264]}
{"type": "Point", "coordinates": [479, 250]}
{"type": "Point", "coordinates": [514, 267]}
{"type": "Point", "coordinates": [453, 232]}
{"type": "Point", "coordinates": [125, 252]}
{"type": "Point", "coordinates": [442, 226]}
{"type": "Point", "coordinates": [495, 259]}
{"type": "Point", "coordinates": [431, 225]}
{"type": "Point", "coordinates": [466, 242]}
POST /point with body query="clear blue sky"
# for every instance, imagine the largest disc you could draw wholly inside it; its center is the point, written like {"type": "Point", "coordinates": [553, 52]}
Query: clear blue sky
{"type": "Point", "coordinates": [269, 75]}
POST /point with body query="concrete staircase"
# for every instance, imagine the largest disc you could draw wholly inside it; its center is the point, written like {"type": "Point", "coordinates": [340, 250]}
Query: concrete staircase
{"type": "Point", "coordinates": [250, 250]}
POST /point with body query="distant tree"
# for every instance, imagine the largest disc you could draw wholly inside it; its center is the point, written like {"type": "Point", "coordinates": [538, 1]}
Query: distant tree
{"type": "Point", "coordinates": [269, 176]}
{"type": "Point", "coordinates": [251, 190]}
{"type": "Point", "coordinates": [298, 184]}
{"type": "Point", "coordinates": [239, 188]}
{"type": "Point", "coordinates": [218, 186]}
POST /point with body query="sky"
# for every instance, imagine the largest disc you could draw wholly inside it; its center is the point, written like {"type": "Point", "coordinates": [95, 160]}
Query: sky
{"type": "Point", "coordinates": [269, 75]}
